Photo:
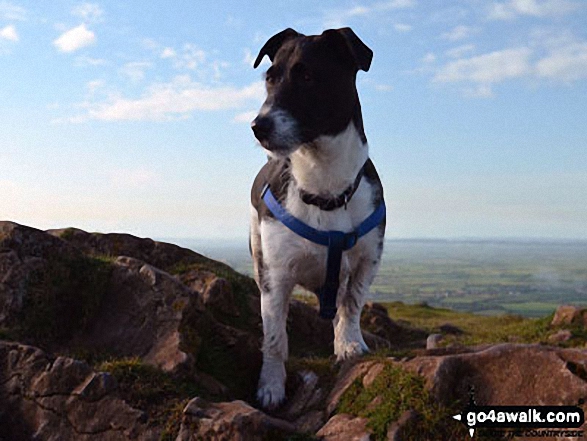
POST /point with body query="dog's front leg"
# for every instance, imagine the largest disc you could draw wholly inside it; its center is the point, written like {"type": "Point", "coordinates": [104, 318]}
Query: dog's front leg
{"type": "Point", "coordinates": [274, 309]}
{"type": "Point", "coordinates": [348, 339]}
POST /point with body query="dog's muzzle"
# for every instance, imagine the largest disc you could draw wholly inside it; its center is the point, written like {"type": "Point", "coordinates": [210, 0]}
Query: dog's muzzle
{"type": "Point", "coordinates": [263, 127]}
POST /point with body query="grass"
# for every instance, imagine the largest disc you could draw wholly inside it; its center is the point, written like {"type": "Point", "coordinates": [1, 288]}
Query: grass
{"type": "Point", "coordinates": [478, 329]}
{"type": "Point", "coordinates": [147, 388]}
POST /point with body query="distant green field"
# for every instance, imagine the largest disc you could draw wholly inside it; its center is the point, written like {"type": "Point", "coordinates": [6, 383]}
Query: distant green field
{"type": "Point", "coordinates": [489, 277]}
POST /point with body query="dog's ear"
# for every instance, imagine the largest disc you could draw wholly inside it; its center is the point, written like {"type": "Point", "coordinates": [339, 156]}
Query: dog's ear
{"type": "Point", "coordinates": [360, 54]}
{"type": "Point", "coordinates": [273, 44]}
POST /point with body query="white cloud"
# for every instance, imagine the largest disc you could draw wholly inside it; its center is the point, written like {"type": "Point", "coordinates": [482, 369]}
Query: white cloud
{"type": "Point", "coordinates": [553, 56]}
{"type": "Point", "coordinates": [485, 70]}
{"type": "Point", "coordinates": [249, 58]}
{"type": "Point", "coordinates": [11, 12]}
{"type": "Point", "coordinates": [90, 12]}
{"type": "Point", "coordinates": [168, 53]}
{"type": "Point", "coordinates": [135, 70]}
{"type": "Point", "coordinates": [9, 33]}
{"type": "Point", "coordinates": [74, 39]}
{"type": "Point", "coordinates": [458, 33]}
{"type": "Point", "coordinates": [94, 85]}
{"type": "Point", "coordinates": [429, 58]}
{"type": "Point", "coordinates": [566, 63]}
{"type": "Point", "coordinates": [402, 27]}
{"type": "Point", "coordinates": [170, 101]}
{"type": "Point", "coordinates": [83, 61]}
{"type": "Point", "coordinates": [537, 8]}
{"type": "Point", "coordinates": [191, 57]}
{"type": "Point", "coordinates": [245, 117]}
{"type": "Point", "coordinates": [340, 17]}
{"type": "Point", "coordinates": [459, 51]}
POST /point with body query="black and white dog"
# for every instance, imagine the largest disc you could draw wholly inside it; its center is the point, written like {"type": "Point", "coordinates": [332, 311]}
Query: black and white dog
{"type": "Point", "coordinates": [320, 173]}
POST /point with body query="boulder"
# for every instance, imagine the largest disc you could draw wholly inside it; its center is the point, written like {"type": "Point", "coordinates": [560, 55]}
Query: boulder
{"type": "Point", "coordinates": [507, 374]}
{"type": "Point", "coordinates": [345, 427]}
{"type": "Point", "coordinates": [375, 320]}
{"type": "Point", "coordinates": [569, 315]}
{"type": "Point", "coordinates": [229, 421]}
{"type": "Point", "coordinates": [62, 399]}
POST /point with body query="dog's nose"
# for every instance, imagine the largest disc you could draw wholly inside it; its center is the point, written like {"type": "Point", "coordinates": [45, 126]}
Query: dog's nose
{"type": "Point", "coordinates": [262, 127]}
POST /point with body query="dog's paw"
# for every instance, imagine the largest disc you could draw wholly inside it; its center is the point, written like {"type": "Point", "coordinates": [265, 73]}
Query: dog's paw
{"type": "Point", "coordinates": [349, 350]}
{"type": "Point", "coordinates": [271, 395]}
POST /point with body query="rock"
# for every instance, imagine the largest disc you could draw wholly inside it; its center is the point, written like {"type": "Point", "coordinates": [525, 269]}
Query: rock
{"type": "Point", "coordinates": [560, 336]}
{"type": "Point", "coordinates": [507, 374]}
{"type": "Point", "coordinates": [216, 292]}
{"type": "Point", "coordinates": [234, 420]}
{"type": "Point", "coordinates": [159, 254]}
{"type": "Point", "coordinates": [376, 321]}
{"type": "Point", "coordinates": [372, 374]}
{"type": "Point", "coordinates": [569, 315]}
{"type": "Point", "coordinates": [347, 375]}
{"type": "Point", "coordinates": [448, 328]}
{"type": "Point", "coordinates": [345, 427]}
{"type": "Point", "coordinates": [399, 430]}
{"type": "Point", "coordinates": [25, 256]}
{"type": "Point", "coordinates": [62, 399]}
{"type": "Point", "coordinates": [307, 395]}
{"type": "Point", "coordinates": [140, 316]}
{"type": "Point", "coordinates": [310, 422]}
{"type": "Point", "coordinates": [433, 341]}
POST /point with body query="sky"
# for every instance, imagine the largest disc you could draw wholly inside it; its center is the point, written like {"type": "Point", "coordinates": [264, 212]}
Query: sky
{"type": "Point", "coordinates": [134, 116]}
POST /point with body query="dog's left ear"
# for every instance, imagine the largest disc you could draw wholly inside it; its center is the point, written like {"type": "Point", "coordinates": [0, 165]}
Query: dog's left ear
{"type": "Point", "coordinates": [273, 44]}
{"type": "Point", "coordinates": [361, 55]}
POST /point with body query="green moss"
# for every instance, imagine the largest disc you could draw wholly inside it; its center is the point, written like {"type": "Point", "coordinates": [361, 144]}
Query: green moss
{"type": "Point", "coordinates": [62, 297]}
{"type": "Point", "coordinates": [161, 395]}
{"type": "Point", "coordinates": [394, 392]}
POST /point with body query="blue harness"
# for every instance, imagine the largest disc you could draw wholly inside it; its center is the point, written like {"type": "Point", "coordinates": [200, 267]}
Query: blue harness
{"type": "Point", "coordinates": [336, 241]}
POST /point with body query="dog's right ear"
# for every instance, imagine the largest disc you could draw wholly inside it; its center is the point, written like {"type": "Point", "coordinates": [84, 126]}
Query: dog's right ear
{"type": "Point", "coordinates": [273, 44]}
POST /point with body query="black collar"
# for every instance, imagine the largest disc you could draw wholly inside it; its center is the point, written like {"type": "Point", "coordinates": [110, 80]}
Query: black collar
{"type": "Point", "coordinates": [333, 202]}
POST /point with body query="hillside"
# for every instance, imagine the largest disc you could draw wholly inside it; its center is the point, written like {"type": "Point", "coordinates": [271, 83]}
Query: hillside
{"type": "Point", "coordinates": [114, 337]}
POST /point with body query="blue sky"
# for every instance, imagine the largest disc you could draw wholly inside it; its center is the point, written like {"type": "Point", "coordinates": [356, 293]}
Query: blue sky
{"type": "Point", "coordinates": [134, 116]}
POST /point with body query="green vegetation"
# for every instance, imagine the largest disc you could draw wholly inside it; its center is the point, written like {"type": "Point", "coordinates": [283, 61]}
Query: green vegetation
{"type": "Point", "coordinates": [62, 297]}
{"type": "Point", "coordinates": [394, 392]}
{"type": "Point", "coordinates": [147, 388]}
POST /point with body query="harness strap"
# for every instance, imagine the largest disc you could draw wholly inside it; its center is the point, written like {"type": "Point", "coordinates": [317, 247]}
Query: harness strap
{"type": "Point", "coordinates": [336, 241]}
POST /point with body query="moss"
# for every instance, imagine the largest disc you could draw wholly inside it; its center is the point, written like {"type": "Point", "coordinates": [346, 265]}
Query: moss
{"type": "Point", "coordinates": [160, 394]}
{"type": "Point", "coordinates": [62, 297]}
{"type": "Point", "coordinates": [394, 392]}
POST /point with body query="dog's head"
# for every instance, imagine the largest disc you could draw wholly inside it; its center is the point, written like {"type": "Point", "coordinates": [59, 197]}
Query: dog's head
{"type": "Point", "coordinates": [310, 87]}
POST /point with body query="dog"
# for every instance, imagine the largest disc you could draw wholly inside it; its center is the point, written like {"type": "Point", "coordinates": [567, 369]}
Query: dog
{"type": "Point", "coordinates": [319, 173]}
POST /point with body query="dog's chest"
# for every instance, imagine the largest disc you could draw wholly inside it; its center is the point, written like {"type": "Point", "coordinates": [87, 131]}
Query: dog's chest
{"type": "Point", "coordinates": [303, 260]}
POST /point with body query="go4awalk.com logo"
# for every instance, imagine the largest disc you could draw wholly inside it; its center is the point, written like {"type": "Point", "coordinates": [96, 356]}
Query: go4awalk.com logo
{"type": "Point", "coordinates": [524, 417]}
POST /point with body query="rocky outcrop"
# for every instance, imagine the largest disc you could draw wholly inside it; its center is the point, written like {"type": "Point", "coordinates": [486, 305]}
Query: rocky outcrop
{"type": "Point", "coordinates": [507, 374]}
{"type": "Point", "coordinates": [62, 399]}
{"type": "Point", "coordinates": [196, 322]}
